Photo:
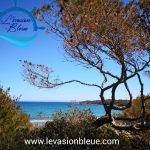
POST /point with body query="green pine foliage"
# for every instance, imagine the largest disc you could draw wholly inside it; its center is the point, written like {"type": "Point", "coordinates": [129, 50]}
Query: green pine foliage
{"type": "Point", "coordinates": [14, 124]}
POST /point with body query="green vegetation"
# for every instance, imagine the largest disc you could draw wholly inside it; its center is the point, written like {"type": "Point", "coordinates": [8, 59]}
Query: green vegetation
{"type": "Point", "coordinates": [14, 124]}
{"type": "Point", "coordinates": [134, 111]}
{"type": "Point", "coordinates": [74, 124]}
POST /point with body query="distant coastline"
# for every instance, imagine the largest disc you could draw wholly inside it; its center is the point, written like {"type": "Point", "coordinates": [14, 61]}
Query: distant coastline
{"type": "Point", "coordinates": [98, 102]}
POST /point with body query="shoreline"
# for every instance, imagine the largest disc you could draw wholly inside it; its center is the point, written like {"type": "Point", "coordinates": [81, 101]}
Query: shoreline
{"type": "Point", "coordinates": [39, 122]}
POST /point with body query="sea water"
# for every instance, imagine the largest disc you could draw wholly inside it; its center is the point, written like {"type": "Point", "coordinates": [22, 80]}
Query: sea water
{"type": "Point", "coordinates": [43, 111]}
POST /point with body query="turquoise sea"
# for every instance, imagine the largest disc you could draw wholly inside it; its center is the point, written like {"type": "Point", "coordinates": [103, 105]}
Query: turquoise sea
{"type": "Point", "coordinates": [43, 111]}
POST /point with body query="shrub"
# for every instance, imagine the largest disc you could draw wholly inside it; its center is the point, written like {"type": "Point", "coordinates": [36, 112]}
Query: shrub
{"type": "Point", "coordinates": [135, 110]}
{"type": "Point", "coordinates": [77, 124]}
{"type": "Point", "coordinates": [142, 138]}
{"type": "Point", "coordinates": [14, 124]}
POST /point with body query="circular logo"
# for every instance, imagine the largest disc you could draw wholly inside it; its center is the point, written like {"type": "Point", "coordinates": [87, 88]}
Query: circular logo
{"type": "Point", "coordinates": [18, 26]}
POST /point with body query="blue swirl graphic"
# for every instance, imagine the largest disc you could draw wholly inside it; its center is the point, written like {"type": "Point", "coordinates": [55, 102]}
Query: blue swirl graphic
{"type": "Point", "coordinates": [18, 43]}
{"type": "Point", "coordinates": [17, 40]}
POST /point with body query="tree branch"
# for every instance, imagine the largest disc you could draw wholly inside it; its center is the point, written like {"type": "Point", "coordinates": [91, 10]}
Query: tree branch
{"type": "Point", "coordinates": [142, 100]}
{"type": "Point", "coordinates": [39, 75]}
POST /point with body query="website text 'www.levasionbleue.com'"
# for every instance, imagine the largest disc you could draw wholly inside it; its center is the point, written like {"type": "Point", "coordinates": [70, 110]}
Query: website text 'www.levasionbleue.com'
{"type": "Point", "coordinates": [67, 141]}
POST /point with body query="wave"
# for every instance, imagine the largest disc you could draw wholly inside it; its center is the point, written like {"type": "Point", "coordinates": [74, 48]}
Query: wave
{"type": "Point", "coordinates": [38, 121]}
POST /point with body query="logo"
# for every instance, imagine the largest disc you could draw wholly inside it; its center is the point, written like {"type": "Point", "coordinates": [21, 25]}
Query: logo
{"type": "Point", "coordinates": [18, 26]}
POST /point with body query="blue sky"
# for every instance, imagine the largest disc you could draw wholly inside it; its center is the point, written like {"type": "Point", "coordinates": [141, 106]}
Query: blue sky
{"type": "Point", "coordinates": [47, 49]}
